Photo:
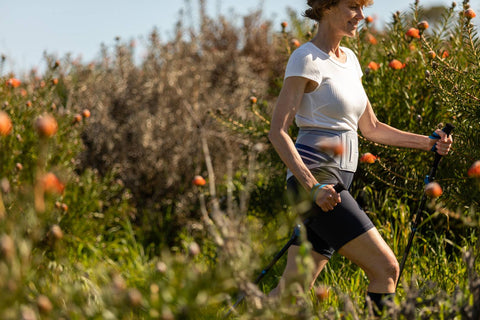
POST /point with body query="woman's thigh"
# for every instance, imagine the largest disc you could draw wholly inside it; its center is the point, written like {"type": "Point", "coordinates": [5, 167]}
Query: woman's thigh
{"type": "Point", "coordinates": [371, 253]}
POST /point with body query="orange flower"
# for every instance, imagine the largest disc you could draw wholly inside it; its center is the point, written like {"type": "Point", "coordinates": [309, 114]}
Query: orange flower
{"type": "Point", "coordinates": [46, 126]}
{"type": "Point", "coordinates": [369, 19]}
{"type": "Point", "coordinates": [86, 113]}
{"type": "Point", "coordinates": [284, 25]}
{"type": "Point", "coordinates": [445, 54]}
{"type": "Point", "coordinates": [422, 25]}
{"type": "Point", "coordinates": [338, 149]}
{"type": "Point", "coordinates": [55, 81]}
{"type": "Point", "coordinates": [295, 43]}
{"type": "Point", "coordinates": [433, 190]}
{"type": "Point", "coordinates": [77, 118]}
{"type": "Point", "coordinates": [474, 171]}
{"type": "Point", "coordinates": [368, 158]}
{"type": "Point", "coordinates": [51, 184]}
{"type": "Point", "coordinates": [373, 66]}
{"type": "Point", "coordinates": [5, 124]}
{"type": "Point", "coordinates": [413, 33]}
{"type": "Point", "coordinates": [13, 82]}
{"type": "Point", "coordinates": [469, 13]}
{"type": "Point", "coordinates": [199, 181]}
{"type": "Point", "coordinates": [335, 148]}
{"type": "Point", "coordinates": [431, 54]}
{"type": "Point", "coordinates": [396, 64]}
{"type": "Point", "coordinates": [322, 293]}
{"type": "Point", "coordinates": [253, 99]}
{"type": "Point", "coordinates": [371, 39]}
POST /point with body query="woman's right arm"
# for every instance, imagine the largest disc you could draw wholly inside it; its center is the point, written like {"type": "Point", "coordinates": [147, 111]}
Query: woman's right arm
{"type": "Point", "coordinates": [287, 105]}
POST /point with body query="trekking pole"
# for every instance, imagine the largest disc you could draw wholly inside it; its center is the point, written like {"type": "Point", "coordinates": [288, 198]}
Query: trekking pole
{"type": "Point", "coordinates": [429, 178]}
{"type": "Point", "coordinates": [293, 238]}
{"type": "Point", "coordinates": [296, 233]}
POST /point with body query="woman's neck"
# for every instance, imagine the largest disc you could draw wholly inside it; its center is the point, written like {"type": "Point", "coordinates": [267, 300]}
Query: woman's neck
{"type": "Point", "coordinates": [327, 40]}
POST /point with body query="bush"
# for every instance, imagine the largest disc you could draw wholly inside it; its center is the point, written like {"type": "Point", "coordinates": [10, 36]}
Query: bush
{"type": "Point", "coordinates": [150, 118]}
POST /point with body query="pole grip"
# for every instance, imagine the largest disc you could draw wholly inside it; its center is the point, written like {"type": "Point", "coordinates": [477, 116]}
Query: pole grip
{"type": "Point", "coordinates": [448, 128]}
{"type": "Point", "coordinates": [339, 187]}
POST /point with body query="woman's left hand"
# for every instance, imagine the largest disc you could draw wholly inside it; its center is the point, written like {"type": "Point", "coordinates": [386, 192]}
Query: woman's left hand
{"type": "Point", "coordinates": [443, 144]}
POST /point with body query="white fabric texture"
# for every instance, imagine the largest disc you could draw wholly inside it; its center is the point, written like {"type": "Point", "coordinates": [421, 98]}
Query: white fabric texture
{"type": "Point", "coordinates": [339, 99]}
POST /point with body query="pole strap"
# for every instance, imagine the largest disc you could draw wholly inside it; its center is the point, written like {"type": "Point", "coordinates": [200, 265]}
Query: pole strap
{"type": "Point", "coordinates": [436, 136]}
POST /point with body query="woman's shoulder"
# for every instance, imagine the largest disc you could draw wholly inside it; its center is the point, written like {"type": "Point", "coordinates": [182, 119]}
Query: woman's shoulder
{"type": "Point", "coordinates": [304, 62]}
{"type": "Point", "coordinates": [307, 51]}
{"type": "Point", "coordinates": [303, 50]}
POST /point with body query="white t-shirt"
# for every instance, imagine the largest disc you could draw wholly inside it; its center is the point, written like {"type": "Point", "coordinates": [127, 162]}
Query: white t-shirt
{"type": "Point", "coordinates": [339, 99]}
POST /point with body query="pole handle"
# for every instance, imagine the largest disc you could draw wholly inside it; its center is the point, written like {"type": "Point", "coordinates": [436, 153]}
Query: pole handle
{"type": "Point", "coordinates": [448, 128]}
{"type": "Point", "coordinates": [339, 187]}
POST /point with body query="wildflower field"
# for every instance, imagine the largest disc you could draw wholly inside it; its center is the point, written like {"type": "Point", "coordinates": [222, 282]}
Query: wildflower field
{"type": "Point", "coordinates": [149, 190]}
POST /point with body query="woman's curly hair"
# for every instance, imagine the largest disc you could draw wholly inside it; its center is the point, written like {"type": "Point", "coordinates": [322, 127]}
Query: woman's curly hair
{"type": "Point", "coordinates": [318, 7]}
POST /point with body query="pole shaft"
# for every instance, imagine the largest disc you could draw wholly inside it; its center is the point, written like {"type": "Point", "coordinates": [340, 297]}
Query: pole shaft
{"type": "Point", "coordinates": [415, 224]}
{"type": "Point", "coordinates": [293, 238]}
{"type": "Point", "coordinates": [429, 178]}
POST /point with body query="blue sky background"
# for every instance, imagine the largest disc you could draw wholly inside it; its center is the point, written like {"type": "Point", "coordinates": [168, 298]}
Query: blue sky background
{"type": "Point", "coordinates": [30, 27]}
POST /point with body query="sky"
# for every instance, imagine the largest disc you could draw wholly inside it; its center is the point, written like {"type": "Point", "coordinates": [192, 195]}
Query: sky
{"type": "Point", "coordinates": [60, 27]}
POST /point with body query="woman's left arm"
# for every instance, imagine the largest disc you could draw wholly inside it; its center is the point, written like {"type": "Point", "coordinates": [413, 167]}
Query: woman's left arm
{"type": "Point", "coordinates": [379, 132]}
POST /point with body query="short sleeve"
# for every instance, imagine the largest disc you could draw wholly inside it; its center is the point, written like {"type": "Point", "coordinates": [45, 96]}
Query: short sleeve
{"type": "Point", "coordinates": [301, 64]}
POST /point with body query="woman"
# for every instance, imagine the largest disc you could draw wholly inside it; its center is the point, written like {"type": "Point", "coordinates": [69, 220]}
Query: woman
{"type": "Point", "coordinates": [322, 90]}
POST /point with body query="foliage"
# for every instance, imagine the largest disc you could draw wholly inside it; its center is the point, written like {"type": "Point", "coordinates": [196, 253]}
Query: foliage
{"type": "Point", "coordinates": [149, 119]}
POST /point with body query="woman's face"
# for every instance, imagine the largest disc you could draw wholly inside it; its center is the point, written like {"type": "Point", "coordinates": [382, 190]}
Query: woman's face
{"type": "Point", "coordinates": [345, 17]}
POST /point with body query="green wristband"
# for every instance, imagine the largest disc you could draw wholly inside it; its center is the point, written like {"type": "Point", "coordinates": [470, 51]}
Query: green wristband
{"type": "Point", "coordinates": [317, 185]}
{"type": "Point", "coordinates": [316, 189]}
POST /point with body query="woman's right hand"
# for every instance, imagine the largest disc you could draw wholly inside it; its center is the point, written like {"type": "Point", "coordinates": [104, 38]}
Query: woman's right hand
{"type": "Point", "coordinates": [327, 198]}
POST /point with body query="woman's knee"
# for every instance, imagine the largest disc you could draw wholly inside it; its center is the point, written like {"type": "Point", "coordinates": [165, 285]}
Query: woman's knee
{"type": "Point", "coordinates": [392, 269]}
{"type": "Point", "coordinates": [388, 270]}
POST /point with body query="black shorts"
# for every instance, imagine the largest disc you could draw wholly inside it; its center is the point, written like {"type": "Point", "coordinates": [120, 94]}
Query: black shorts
{"type": "Point", "coordinates": [329, 231]}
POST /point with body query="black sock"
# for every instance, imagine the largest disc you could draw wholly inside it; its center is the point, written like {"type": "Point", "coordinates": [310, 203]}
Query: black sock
{"type": "Point", "coordinates": [379, 301]}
